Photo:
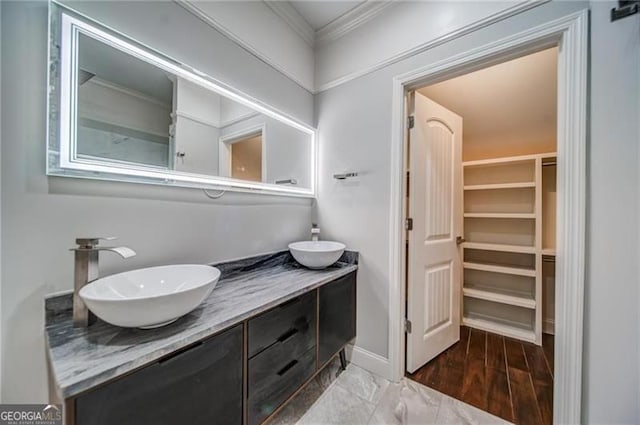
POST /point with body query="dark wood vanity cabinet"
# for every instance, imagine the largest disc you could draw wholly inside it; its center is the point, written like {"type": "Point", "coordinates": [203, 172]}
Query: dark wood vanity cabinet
{"type": "Point", "coordinates": [337, 316]}
{"type": "Point", "coordinates": [201, 385]}
{"type": "Point", "coordinates": [239, 376]}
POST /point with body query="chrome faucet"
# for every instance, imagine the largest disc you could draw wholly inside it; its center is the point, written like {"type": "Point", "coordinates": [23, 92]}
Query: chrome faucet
{"type": "Point", "coordinates": [86, 271]}
{"type": "Point", "coordinates": [315, 232]}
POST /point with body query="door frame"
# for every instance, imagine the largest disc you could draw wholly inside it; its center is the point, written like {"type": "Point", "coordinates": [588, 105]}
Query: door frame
{"type": "Point", "coordinates": [225, 145]}
{"type": "Point", "coordinates": [570, 35]}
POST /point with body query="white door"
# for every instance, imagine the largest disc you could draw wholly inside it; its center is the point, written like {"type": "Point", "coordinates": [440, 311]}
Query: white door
{"type": "Point", "coordinates": [435, 206]}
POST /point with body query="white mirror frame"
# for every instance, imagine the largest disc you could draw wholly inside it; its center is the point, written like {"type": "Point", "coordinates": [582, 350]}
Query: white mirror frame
{"type": "Point", "coordinates": [69, 164]}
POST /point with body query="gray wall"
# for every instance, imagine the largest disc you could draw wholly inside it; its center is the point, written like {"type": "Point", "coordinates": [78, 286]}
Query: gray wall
{"type": "Point", "coordinates": [41, 216]}
{"type": "Point", "coordinates": [354, 122]}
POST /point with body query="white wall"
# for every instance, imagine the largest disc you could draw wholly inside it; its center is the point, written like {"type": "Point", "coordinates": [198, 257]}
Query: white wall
{"type": "Point", "coordinates": [41, 216]}
{"type": "Point", "coordinates": [354, 122]}
{"type": "Point", "coordinates": [264, 33]}
{"type": "Point", "coordinates": [611, 361]}
{"type": "Point", "coordinates": [394, 33]}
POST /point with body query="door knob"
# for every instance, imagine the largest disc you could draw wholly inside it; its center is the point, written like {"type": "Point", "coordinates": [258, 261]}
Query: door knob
{"type": "Point", "coordinates": [460, 240]}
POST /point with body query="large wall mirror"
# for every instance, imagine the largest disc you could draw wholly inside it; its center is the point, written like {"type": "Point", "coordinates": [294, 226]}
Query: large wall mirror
{"type": "Point", "coordinates": [121, 111]}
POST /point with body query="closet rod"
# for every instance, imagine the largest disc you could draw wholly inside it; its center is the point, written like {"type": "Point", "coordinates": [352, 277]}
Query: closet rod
{"type": "Point", "coordinates": [544, 164]}
{"type": "Point", "coordinates": [548, 259]}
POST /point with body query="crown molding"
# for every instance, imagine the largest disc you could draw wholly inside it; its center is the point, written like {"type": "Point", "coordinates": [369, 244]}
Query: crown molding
{"type": "Point", "coordinates": [350, 21]}
{"type": "Point", "coordinates": [422, 47]}
{"type": "Point", "coordinates": [191, 6]}
{"type": "Point", "coordinates": [290, 15]}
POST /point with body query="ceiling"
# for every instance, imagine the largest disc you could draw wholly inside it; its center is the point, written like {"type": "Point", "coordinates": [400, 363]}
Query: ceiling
{"type": "Point", "coordinates": [320, 13]}
{"type": "Point", "coordinates": [507, 109]}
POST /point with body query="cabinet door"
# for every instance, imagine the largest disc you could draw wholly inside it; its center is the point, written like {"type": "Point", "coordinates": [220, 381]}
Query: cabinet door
{"type": "Point", "coordinates": [337, 316]}
{"type": "Point", "coordinates": [200, 385]}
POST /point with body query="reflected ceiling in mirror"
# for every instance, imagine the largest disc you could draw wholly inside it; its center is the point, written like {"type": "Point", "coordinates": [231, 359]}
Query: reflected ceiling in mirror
{"type": "Point", "coordinates": [120, 111]}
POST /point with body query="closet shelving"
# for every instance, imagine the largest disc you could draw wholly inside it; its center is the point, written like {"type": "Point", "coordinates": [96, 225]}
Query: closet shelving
{"type": "Point", "coordinates": [509, 222]}
{"type": "Point", "coordinates": [499, 215]}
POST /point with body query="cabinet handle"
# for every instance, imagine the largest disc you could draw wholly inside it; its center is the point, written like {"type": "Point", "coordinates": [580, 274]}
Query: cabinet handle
{"type": "Point", "coordinates": [288, 334]}
{"type": "Point", "coordinates": [180, 352]}
{"type": "Point", "coordinates": [288, 367]}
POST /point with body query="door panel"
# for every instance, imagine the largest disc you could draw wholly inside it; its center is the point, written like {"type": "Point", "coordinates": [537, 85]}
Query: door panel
{"type": "Point", "coordinates": [435, 204]}
{"type": "Point", "coordinates": [437, 287]}
{"type": "Point", "coordinates": [439, 180]}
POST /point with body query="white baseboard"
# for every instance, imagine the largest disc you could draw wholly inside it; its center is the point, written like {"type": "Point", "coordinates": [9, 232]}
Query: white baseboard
{"type": "Point", "coordinates": [367, 360]}
{"type": "Point", "coordinates": [549, 326]}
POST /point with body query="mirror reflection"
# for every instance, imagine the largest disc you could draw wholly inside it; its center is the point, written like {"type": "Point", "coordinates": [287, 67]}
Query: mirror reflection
{"type": "Point", "coordinates": [130, 112]}
{"type": "Point", "coordinates": [124, 106]}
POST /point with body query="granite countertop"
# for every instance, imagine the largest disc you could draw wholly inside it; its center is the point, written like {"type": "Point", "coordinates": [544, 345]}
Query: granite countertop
{"type": "Point", "coordinates": [82, 358]}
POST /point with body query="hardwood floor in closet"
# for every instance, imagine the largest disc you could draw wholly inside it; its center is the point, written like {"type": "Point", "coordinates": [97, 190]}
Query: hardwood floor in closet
{"type": "Point", "coordinates": [503, 376]}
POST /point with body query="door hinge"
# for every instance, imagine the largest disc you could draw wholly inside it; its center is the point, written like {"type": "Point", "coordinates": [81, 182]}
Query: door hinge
{"type": "Point", "coordinates": [408, 182]}
{"type": "Point", "coordinates": [407, 326]}
{"type": "Point", "coordinates": [410, 122]}
{"type": "Point", "coordinates": [408, 224]}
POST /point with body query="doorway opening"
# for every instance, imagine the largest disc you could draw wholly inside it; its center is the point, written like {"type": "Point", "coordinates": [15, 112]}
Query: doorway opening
{"type": "Point", "coordinates": [242, 155]}
{"type": "Point", "coordinates": [480, 246]}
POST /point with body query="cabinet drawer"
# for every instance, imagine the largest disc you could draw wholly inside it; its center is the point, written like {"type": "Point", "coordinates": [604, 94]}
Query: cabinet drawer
{"type": "Point", "coordinates": [264, 367]}
{"type": "Point", "coordinates": [283, 382]}
{"type": "Point", "coordinates": [199, 386]}
{"type": "Point", "coordinates": [278, 323]}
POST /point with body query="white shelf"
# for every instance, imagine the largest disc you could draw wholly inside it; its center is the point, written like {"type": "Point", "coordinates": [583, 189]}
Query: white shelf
{"type": "Point", "coordinates": [500, 186]}
{"type": "Point", "coordinates": [500, 247]}
{"type": "Point", "coordinates": [509, 159]}
{"type": "Point", "coordinates": [504, 210]}
{"type": "Point", "coordinates": [500, 327]}
{"type": "Point", "coordinates": [500, 269]}
{"type": "Point", "coordinates": [498, 295]}
{"type": "Point", "coordinates": [501, 215]}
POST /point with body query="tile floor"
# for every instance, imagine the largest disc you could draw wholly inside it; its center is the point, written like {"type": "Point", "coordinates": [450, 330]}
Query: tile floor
{"type": "Point", "coordinates": [357, 397]}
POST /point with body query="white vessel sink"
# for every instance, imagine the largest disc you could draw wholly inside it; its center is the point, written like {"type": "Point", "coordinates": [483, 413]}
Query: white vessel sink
{"type": "Point", "coordinates": [151, 297]}
{"type": "Point", "coordinates": [316, 254]}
